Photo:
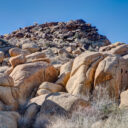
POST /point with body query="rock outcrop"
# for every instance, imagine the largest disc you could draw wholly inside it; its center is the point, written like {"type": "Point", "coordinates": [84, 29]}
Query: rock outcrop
{"type": "Point", "coordinates": [9, 119]}
{"type": "Point", "coordinates": [47, 71]}
{"type": "Point", "coordinates": [82, 74]}
{"type": "Point", "coordinates": [91, 70]}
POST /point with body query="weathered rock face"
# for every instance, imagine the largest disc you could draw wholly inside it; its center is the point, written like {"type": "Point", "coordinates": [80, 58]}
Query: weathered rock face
{"type": "Point", "coordinates": [29, 76]}
{"type": "Point", "coordinates": [6, 80]}
{"type": "Point", "coordinates": [31, 47]}
{"type": "Point", "coordinates": [35, 56]}
{"type": "Point", "coordinates": [64, 100]}
{"type": "Point", "coordinates": [9, 119]}
{"type": "Point", "coordinates": [50, 68]}
{"type": "Point", "coordinates": [92, 70]}
{"type": "Point", "coordinates": [65, 71]}
{"type": "Point", "coordinates": [17, 51]}
{"type": "Point", "coordinates": [9, 97]}
{"type": "Point", "coordinates": [16, 60]}
{"type": "Point", "coordinates": [82, 74]}
{"type": "Point", "coordinates": [56, 104]}
{"type": "Point", "coordinates": [1, 56]}
{"type": "Point", "coordinates": [116, 48]}
{"type": "Point", "coordinates": [51, 87]}
{"type": "Point", "coordinates": [112, 73]}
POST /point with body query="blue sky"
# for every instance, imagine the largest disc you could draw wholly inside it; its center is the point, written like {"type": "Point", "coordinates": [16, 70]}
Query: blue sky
{"type": "Point", "coordinates": [109, 16]}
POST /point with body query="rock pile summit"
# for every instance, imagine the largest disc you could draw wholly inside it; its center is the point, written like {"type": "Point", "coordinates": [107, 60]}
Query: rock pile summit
{"type": "Point", "coordinates": [69, 38]}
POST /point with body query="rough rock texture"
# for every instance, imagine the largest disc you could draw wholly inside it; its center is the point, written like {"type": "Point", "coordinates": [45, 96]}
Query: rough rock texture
{"type": "Point", "coordinates": [50, 87]}
{"type": "Point", "coordinates": [92, 70]}
{"type": "Point", "coordinates": [29, 76]}
{"type": "Point", "coordinates": [9, 119]}
{"type": "Point", "coordinates": [58, 40]}
{"type": "Point", "coordinates": [16, 60]}
{"type": "Point", "coordinates": [31, 47]}
{"type": "Point", "coordinates": [35, 56]}
{"type": "Point", "coordinates": [1, 56]}
{"type": "Point", "coordinates": [9, 97]}
{"type": "Point", "coordinates": [112, 73]}
{"type": "Point", "coordinates": [6, 80]}
{"type": "Point", "coordinates": [65, 71]}
{"type": "Point", "coordinates": [116, 48]}
{"type": "Point", "coordinates": [82, 74]}
{"type": "Point", "coordinates": [57, 105]}
{"type": "Point", "coordinates": [43, 91]}
{"type": "Point", "coordinates": [64, 101]}
{"type": "Point", "coordinates": [48, 70]}
{"type": "Point", "coordinates": [58, 33]}
{"type": "Point", "coordinates": [17, 51]}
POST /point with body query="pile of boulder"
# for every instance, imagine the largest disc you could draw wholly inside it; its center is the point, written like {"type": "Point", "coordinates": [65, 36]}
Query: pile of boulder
{"type": "Point", "coordinates": [62, 39]}
{"type": "Point", "coordinates": [41, 81]}
{"type": "Point", "coordinates": [33, 91]}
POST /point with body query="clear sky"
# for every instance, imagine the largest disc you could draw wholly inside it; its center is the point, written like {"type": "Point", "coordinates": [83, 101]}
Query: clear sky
{"type": "Point", "coordinates": [109, 16]}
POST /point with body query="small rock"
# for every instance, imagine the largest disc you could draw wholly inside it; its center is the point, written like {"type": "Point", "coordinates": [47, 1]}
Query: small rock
{"type": "Point", "coordinates": [31, 47]}
{"type": "Point", "coordinates": [17, 51]}
{"type": "Point", "coordinates": [16, 60]}
{"type": "Point", "coordinates": [1, 56]}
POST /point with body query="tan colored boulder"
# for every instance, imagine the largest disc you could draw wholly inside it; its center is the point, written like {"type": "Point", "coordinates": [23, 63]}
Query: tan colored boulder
{"type": "Point", "coordinates": [9, 70]}
{"type": "Point", "coordinates": [82, 74]}
{"type": "Point", "coordinates": [17, 51]}
{"type": "Point", "coordinates": [9, 96]}
{"type": "Point", "coordinates": [6, 80]}
{"type": "Point", "coordinates": [16, 60]}
{"type": "Point", "coordinates": [1, 56]}
{"type": "Point", "coordinates": [9, 119]}
{"type": "Point", "coordinates": [112, 73]}
{"type": "Point", "coordinates": [31, 47]}
{"type": "Point", "coordinates": [124, 99]}
{"type": "Point", "coordinates": [35, 56]}
{"type": "Point", "coordinates": [65, 71]}
{"type": "Point", "coordinates": [42, 92]}
{"type": "Point", "coordinates": [51, 87]}
{"type": "Point", "coordinates": [109, 47]}
{"type": "Point", "coordinates": [116, 48]}
{"type": "Point", "coordinates": [29, 76]}
{"type": "Point", "coordinates": [42, 59]}
{"type": "Point", "coordinates": [57, 105]}
{"type": "Point", "coordinates": [62, 99]}
{"type": "Point", "coordinates": [78, 51]}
